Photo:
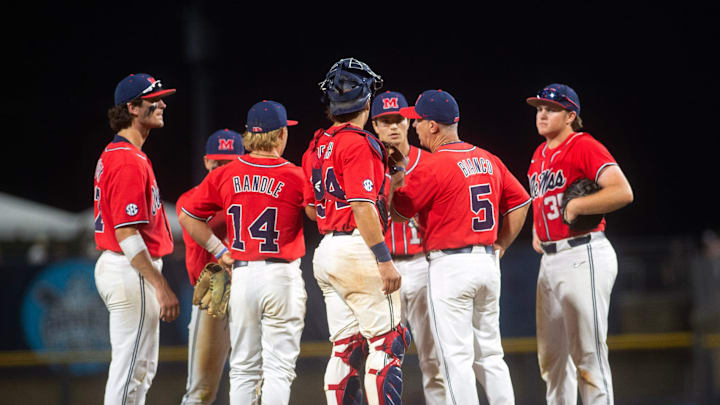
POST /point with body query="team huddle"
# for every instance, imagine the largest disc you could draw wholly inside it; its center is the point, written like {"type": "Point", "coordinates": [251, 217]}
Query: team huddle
{"type": "Point", "coordinates": [410, 252]}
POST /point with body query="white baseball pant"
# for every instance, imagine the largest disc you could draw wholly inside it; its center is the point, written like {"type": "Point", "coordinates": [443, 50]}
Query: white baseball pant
{"type": "Point", "coordinates": [134, 328]}
{"type": "Point", "coordinates": [347, 274]}
{"type": "Point", "coordinates": [266, 314]}
{"type": "Point", "coordinates": [464, 299]}
{"type": "Point", "coordinates": [413, 296]}
{"type": "Point", "coordinates": [208, 349]}
{"type": "Point", "coordinates": [573, 300]}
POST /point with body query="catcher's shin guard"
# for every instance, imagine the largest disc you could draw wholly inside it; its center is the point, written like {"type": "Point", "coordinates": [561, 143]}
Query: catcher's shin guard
{"type": "Point", "coordinates": [348, 357]}
{"type": "Point", "coordinates": [384, 374]}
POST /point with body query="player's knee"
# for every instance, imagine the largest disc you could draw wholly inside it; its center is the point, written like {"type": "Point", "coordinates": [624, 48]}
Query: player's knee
{"type": "Point", "coordinates": [393, 343]}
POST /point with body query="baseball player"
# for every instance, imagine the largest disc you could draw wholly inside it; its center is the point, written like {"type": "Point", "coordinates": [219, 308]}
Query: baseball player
{"type": "Point", "coordinates": [405, 242]}
{"type": "Point", "coordinates": [262, 198]}
{"type": "Point", "coordinates": [352, 264]}
{"type": "Point", "coordinates": [209, 337]}
{"type": "Point", "coordinates": [458, 192]}
{"type": "Point", "coordinates": [132, 231]}
{"type": "Point", "coordinates": [578, 269]}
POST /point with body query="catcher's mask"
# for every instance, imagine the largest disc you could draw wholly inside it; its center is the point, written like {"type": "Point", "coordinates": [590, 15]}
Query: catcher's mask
{"type": "Point", "coordinates": [348, 86]}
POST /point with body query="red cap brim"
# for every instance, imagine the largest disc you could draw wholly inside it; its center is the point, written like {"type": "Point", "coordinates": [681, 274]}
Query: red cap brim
{"type": "Point", "coordinates": [159, 94]}
{"type": "Point", "coordinates": [291, 123]}
{"type": "Point", "coordinates": [222, 157]}
{"type": "Point", "coordinates": [409, 112]}
{"type": "Point", "coordinates": [535, 101]}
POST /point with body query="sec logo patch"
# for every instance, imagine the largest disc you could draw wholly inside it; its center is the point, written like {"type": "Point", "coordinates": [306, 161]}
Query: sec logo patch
{"type": "Point", "coordinates": [131, 209]}
{"type": "Point", "coordinates": [368, 185]}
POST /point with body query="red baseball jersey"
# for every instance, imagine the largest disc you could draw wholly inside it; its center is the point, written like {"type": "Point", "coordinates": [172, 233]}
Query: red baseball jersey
{"type": "Point", "coordinates": [126, 193]}
{"type": "Point", "coordinates": [350, 167]}
{"type": "Point", "coordinates": [552, 170]}
{"type": "Point", "coordinates": [196, 257]}
{"type": "Point", "coordinates": [458, 192]}
{"type": "Point", "coordinates": [263, 204]}
{"type": "Point", "coordinates": [405, 238]}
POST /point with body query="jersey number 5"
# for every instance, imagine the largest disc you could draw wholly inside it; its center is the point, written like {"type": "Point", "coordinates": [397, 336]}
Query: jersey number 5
{"type": "Point", "coordinates": [262, 228]}
{"type": "Point", "coordinates": [477, 204]}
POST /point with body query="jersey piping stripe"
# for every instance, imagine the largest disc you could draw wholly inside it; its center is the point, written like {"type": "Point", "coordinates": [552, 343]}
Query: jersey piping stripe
{"type": "Point", "coordinates": [137, 339]}
{"type": "Point", "coordinates": [405, 238]}
{"type": "Point", "coordinates": [194, 216]}
{"type": "Point", "coordinates": [191, 356]}
{"type": "Point", "coordinates": [361, 199]}
{"type": "Point", "coordinates": [259, 165]}
{"type": "Point", "coordinates": [417, 159]}
{"type": "Point", "coordinates": [529, 200]}
{"type": "Point", "coordinates": [392, 238]}
{"type": "Point", "coordinates": [598, 346]}
{"type": "Point", "coordinates": [433, 317]}
{"type": "Point", "coordinates": [597, 175]}
{"type": "Point", "coordinates": [453, 150]}
{"type": "Point", "coordinates": [553, 155]}
{"type": "Point", "coordinates": [114, 149]}
{"type": "Point", "coordinates": [131, 223]}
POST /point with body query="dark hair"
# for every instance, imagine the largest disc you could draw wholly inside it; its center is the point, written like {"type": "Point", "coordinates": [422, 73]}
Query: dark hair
{"type": "Point", "coordinates": [119, 116]}
{"type": "Point", "coordinates": [342, 117]}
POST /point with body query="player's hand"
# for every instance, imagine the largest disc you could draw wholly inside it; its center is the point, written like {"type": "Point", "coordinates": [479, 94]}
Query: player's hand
{"type": "Point", "coordinates": [499, 250]}
{"type": "Point", "coordinates": [570, 213]}
{"type": "Point", "coordinates": [391, 277]}
{"type": "Point", "coordinates": [169, 304]}
{"type": "Point", "coordinates": [536, 243]}
{"type": "Point", "coordinates": [226, 261]}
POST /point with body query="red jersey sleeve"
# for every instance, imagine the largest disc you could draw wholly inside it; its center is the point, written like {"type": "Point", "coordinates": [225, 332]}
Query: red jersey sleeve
{"type": "Point", "coordinates": [591, 156]}
{"type": "Point", "coordinates": [206, 200]}
{"type": "Point", "coordinates": [514, 194]}
{"type": "Point", "coordinates": [128, 205]}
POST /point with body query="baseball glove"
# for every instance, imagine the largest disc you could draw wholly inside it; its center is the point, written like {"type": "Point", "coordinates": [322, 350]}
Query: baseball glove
{"type": "Point", "coordinates": [580, 188]}
{"type": "Point", "coordinates": [212, 290]}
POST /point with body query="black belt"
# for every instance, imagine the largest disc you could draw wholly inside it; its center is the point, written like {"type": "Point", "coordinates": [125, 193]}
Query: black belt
{"type": "Point", "coordinates": [243, 263]}
{"type": "Point", "coordinates": [342, 233]}
{"type": "Point", "coordinates": [551, 247]}
{"type": "Point", "coordinates": [468, 249]}
{"type": "Point", "coordinates": [402, 257]}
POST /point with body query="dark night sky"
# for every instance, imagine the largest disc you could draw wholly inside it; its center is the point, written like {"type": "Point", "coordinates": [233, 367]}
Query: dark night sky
{"type": "Point", "coordinates": [643, 76]}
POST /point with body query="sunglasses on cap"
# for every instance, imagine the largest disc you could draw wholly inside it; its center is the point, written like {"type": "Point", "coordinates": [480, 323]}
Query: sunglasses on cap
{"type": "Point", "coordinates": [552, 94]}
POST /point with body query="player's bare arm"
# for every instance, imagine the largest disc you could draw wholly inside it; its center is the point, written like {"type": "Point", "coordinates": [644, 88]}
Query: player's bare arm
{"type": "Point", "coordinates": [512, 225]}
{"type": "Point", "coordinates": [169, 304]}
{"type": "Point", "coordinates": [615, 193]}
{"type": "Point", "coordinates": [368, 224]}
{"type": "Point", "coordinates": [201, 232]}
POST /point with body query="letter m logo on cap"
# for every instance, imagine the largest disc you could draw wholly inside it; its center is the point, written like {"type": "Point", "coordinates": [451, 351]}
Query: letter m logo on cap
{"type": "Point", "coordinates": [391, 102]}
{"type": "Point", "coordinates": [225, 144]}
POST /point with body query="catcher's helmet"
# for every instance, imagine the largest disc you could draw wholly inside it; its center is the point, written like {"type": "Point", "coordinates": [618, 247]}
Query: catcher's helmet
{"type": "Point", "coordinates": [348, 86]}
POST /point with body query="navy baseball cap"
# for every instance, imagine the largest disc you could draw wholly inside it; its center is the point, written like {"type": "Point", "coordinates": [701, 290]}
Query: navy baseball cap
{"type": "Point", "coordinates": [436, 105]}
{"type": "Point", "coordinates": [387, 103]}
{"type": "Point", "coordinates": [139, 85]}
{"type": "Point", "coordinates": [224, 144]}
{"type": "Point", "coordinates": [267, 116]}
{"type": "Point", "coordinates": [559, 94]}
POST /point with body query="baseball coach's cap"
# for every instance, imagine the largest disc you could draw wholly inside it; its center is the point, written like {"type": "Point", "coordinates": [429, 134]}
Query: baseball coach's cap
{"type": "Point", "coordinates": [387, 103]}
{"type": "Point", "coordinates": [436, 105]}
{"type": "Point", "coordinates": [267, 116]}
{"type": "Point", "coordinates": [224, 144]}
{"type": "Point", "coordinates": [139, 85]}
{"type": "Point", "coordinates": [559, 94]}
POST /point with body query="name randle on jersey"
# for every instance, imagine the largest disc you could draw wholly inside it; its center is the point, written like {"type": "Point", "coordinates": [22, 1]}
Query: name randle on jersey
{"type": "Point", "coordinates": [258, 184]}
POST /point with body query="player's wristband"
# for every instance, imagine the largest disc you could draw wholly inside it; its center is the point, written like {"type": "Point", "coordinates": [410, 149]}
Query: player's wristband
{"type": "Point", "coordinates": [381, 252]}
{"type": "Point", "coordinates": [222, 252]}
{"type": "Point", "coordinates": [215, 246]}
{"type": "Point", "coordinates": [132, 245]}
